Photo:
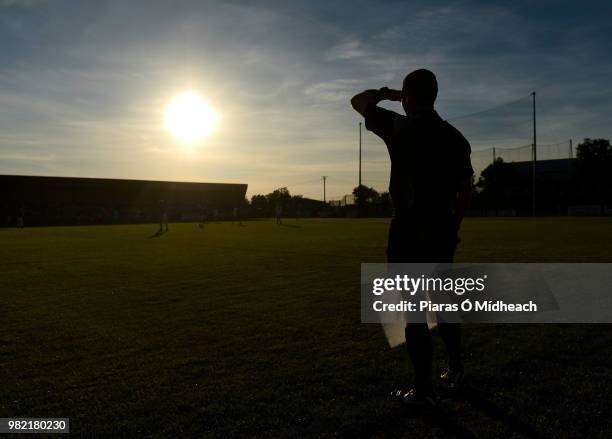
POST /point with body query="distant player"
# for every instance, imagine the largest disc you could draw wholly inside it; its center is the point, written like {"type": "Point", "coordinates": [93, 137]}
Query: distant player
{"type": "Point", "coordinates": [236, 216]}
{"type": "Point", "coordinates": [163, 216]}
{"type": "Point", "coordinates": [279, 213]}
{"type": "Point", "coordinates": [298, 212]}
{"type": "Point", "coordinates": [20, 217]}
{"type": "Point", "coordinates": [203, 216]}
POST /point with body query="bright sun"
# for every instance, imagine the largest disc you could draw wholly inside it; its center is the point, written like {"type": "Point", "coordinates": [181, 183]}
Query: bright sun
{"type": "Point", "coordinates": [189, 117]}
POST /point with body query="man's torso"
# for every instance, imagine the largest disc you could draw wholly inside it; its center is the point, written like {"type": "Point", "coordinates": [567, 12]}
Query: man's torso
{"type": "Point", "coordinates": [429, 160]}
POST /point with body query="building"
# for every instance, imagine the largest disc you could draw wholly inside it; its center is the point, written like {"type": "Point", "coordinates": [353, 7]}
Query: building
{"type": "Point", "coordinates": [562, 187]}
{"type": "Point", "coordinates": [68, 200]}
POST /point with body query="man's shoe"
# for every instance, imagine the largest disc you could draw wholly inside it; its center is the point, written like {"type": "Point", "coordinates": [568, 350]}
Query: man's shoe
{"type": "Point", "coordinates": [412, 398]}
{"type": "Point", "coordinates": [452, 379]}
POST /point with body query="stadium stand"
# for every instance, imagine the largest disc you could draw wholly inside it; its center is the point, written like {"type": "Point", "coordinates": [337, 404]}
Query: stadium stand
{"type": "Point", "coordinates": [40, 200]}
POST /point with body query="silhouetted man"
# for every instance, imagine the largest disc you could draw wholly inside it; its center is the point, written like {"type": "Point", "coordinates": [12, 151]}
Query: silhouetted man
{"type": "Point", "coordinates": [279, 213]}
{"type": "Point", "coordinates": [236, 216]}
{"type": "Point", "coordinates": [20, 217]}
{"type": "Point", "coordinates": [163, 215]}
{"type": "Point", "coordinates": [203, 215]}
{"type": "Point", "coordinates": [430, 188]}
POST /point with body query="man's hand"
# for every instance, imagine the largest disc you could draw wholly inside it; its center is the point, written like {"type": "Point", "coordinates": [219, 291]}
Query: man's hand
{"type": "Point", "coordinates": [361, 101]}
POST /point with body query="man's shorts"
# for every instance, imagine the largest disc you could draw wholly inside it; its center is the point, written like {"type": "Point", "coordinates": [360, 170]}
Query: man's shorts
{"type": "Point", "coordinates": [422, 241]}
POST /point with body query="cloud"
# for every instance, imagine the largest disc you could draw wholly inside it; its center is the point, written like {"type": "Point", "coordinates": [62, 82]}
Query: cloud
{"type": "Point", "coordinates": [347, 49]}
{"type": "Point", "coordinates": [26, 157]}
{"type": "Point", "coordinates": [336, 90]}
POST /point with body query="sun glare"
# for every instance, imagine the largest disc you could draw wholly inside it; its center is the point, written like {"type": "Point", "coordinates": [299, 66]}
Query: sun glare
{"type": "Point", "coordinates": [189, 117]}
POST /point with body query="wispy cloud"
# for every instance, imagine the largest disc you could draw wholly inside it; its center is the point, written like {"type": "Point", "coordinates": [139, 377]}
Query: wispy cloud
{"type": "Point", "coordinates": [335, 90]}
{"type": "Point", "coordinates": [346, 49]}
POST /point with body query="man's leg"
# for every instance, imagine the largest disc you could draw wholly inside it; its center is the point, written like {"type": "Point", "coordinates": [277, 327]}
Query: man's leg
{"type": "Point", "coordinates": [452, 378]}
{"type": "Point", "coordinates": [418, 342]}
{"type": "Point", "coordinates": [451, 335]}
{"type": "Point", "coordinates": [451, 332]}
{"type": "Point", "coordinates": [402, 247]}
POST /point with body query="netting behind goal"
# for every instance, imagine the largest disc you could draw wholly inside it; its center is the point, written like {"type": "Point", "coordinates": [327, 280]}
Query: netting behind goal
{"type": "Point", "coordinates": [504, 131]}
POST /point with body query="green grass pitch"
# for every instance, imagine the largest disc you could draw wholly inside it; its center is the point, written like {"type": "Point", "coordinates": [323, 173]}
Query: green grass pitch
{"type": "Point", "coordinates": [254, 331]}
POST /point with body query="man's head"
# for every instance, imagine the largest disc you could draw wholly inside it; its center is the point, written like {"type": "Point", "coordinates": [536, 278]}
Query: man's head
{"type": "Point", "coordinates": [419, 91]}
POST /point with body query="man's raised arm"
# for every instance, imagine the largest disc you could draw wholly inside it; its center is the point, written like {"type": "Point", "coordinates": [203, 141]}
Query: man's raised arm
{"type": "Point", "coordinates": [361, 101]}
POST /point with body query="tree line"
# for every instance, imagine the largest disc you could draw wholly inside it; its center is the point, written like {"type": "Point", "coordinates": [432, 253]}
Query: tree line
{"type": "Point", "coordinates": [501, 187]}
{"type": "Point", "coordinates": [586, 180]}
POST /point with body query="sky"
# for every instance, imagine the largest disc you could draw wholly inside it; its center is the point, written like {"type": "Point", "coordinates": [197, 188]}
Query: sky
{"type": "Point", "coordinates": [83, 84]}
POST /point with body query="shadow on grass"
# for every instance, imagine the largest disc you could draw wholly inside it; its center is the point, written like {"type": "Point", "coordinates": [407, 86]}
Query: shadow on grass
{"type": "Point", "coordinates": [447, 422]}
{"type": "Point", "coordinates": [478, 399]}
{"type": "Point", "coordinates": [448, 419]}
{"type": "Point", "coordinates": [295, 226]}
{"type": "Point", "coordinates": [436, 417]}
{"type": "Point", "coordinates": [158, 234]}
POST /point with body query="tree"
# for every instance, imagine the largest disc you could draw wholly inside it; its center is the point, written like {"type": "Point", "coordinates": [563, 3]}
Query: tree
{"type": "Point", "coordinates": [297, 201]}
{"type": "Point", "coordinates": [279, 196]}
{"type": "Point", "coordinates": [594, 169]}
{"type": "Point", "coordinates": [259, 201]}
{"type": "Point", "coordinates": [384, 199]}
{"type": "Point", "coordinates": [500, 186]}
{"type": "Point", "coordinates": [365, 195]}
{"type": "Point", "coordinates": [594, 150]}
{"type": "Point", "coordinates": [266, 204]}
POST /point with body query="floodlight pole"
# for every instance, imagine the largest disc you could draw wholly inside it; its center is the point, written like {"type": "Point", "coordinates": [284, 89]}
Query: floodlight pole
{"type": "Point", "coordinates": [359, 184]}
{"type": "Point", "coordinates": [324, 197]}
{"type": "Point", "coordinates": [359, 155]}
{"type": "Point", "coordinates": [493, 155]}
{"type": "Point", "coordinates": [534, 159]}
{"type": "Point", "coordinates": [571, 150]}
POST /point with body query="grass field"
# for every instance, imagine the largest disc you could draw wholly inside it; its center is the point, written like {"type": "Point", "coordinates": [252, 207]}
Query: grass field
{"type": "Point", "coordinates": [254, 331]}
